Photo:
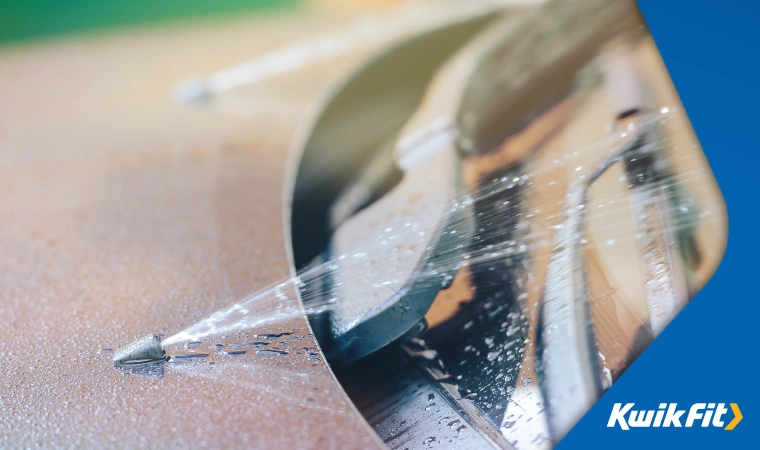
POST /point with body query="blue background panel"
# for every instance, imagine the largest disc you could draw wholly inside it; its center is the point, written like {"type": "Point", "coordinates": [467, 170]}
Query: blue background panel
{"type": "Point", "coordinates": [709, 352]}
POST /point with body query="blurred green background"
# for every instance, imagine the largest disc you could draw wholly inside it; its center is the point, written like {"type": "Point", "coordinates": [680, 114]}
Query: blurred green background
{"type": "Point", "coordinates": [23, 20]}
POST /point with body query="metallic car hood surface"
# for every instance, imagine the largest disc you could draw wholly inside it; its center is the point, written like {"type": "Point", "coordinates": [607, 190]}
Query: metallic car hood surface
{"type": "Point", "coordinates": [122, 214]}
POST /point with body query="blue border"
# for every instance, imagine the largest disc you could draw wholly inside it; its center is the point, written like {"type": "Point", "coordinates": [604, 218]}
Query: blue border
{"type": "Point", "coordinates": [708, 353]}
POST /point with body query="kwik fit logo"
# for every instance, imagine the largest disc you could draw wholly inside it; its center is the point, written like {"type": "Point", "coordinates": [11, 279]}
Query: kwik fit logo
{"type": "Point", "coordinates": [669, 415]}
